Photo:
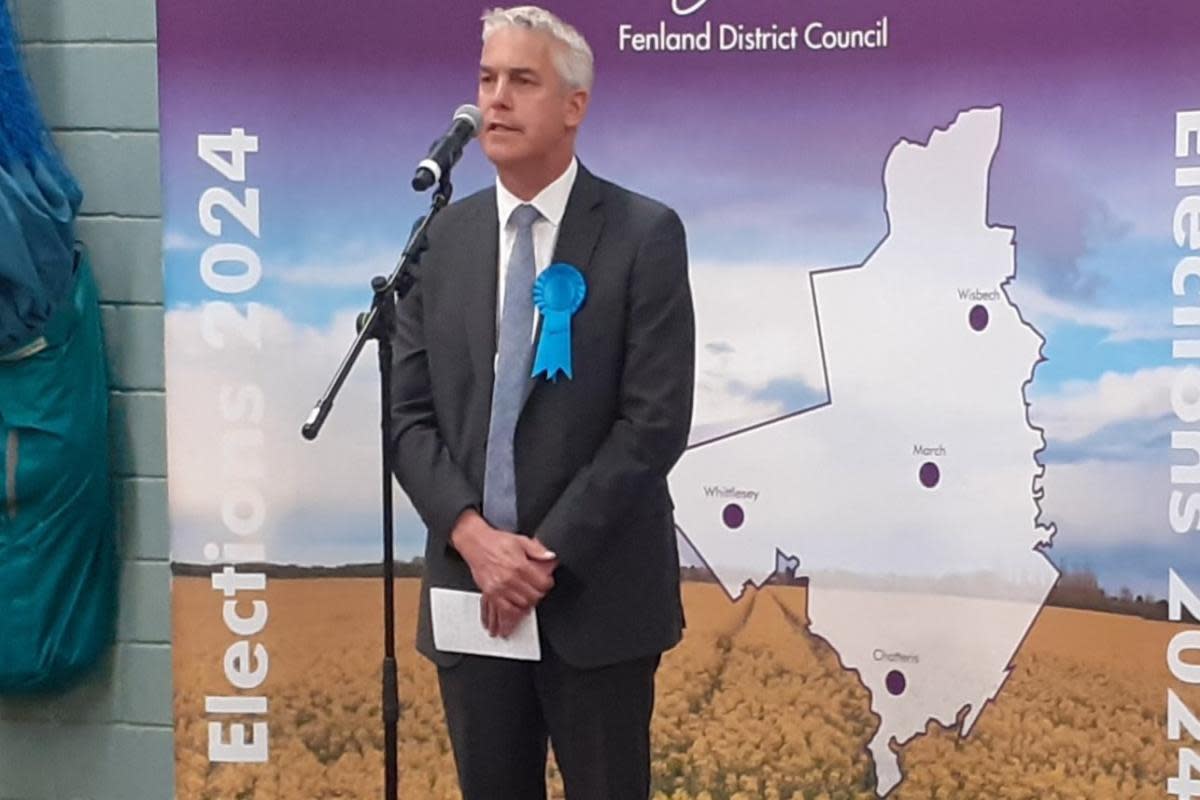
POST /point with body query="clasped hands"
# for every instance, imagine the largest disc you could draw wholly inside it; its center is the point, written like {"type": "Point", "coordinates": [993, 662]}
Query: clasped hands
{"type": "Point", "coordinates": [514, 572]}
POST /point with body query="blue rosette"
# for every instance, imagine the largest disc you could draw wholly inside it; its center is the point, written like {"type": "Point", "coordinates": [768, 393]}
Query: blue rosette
{"type": "Point", "coordinates": [558, 293]}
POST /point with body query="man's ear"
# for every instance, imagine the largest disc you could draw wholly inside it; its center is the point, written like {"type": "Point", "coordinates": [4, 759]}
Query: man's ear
{"type": "Point", "coordinates": [577, 105]}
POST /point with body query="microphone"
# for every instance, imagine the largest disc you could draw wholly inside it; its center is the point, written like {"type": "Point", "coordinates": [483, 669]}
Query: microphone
{"type": "Point", "coordinates": [447, 150]}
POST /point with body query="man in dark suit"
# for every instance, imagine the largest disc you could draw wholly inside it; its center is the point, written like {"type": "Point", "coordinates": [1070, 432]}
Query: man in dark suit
{"type": "Point", "coordinates": [548, 495]}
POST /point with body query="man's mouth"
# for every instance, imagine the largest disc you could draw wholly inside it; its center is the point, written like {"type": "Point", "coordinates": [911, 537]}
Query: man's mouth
{"type": "Point", "coordinates": [499, 127]}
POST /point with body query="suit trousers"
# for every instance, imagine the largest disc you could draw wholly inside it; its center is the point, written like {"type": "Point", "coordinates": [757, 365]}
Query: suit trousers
{"type": "Point", "coordinates": [501, 712]}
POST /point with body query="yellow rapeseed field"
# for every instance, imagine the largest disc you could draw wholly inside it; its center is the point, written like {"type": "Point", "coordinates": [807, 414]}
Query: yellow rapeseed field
{"type": "Point", "coordinates": [749, 706]}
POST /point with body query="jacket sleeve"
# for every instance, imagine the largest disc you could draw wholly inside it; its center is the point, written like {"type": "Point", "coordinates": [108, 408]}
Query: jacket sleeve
{"type": "Point", "coordinates": [428, 474]}
{"type": "Point", "coordinates": [655, 402]}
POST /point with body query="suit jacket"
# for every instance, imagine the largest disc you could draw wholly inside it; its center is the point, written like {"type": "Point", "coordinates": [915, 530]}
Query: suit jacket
{"type": "Point", "coordinates": [591, 453]}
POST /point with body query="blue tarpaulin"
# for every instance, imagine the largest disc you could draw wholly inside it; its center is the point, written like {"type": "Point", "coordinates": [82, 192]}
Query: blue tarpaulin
{"type": "Point", "coordinates": [38, 203]}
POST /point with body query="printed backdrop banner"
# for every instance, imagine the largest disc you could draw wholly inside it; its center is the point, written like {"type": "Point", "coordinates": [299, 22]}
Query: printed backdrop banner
{"type": "Point", "coordinates": [938, 515]}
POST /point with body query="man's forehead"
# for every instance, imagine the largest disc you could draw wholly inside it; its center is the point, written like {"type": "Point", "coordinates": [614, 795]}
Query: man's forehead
{"type": "Point", "coordinates": [510, 47]}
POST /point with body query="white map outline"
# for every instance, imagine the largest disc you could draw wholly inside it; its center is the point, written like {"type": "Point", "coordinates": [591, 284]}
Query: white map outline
{"type": "Point", "coordinates": [964, 716]}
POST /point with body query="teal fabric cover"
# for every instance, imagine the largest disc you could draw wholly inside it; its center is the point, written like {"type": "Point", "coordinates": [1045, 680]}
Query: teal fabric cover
{"type": "Point", "coordinates": [58, 555]}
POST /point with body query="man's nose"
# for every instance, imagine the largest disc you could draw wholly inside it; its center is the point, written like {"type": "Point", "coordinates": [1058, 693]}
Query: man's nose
{"type": "Point", "coordinates": [499, 93]}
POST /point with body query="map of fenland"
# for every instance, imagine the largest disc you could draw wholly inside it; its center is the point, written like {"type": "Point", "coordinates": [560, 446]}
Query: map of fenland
{"type": "Point", "coordinates": [909, 499]}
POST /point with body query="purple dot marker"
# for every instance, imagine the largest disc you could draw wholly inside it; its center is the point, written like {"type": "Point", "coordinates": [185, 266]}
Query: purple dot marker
{"type": "Point", "coordinates": [978, 318]}
{"type": "Point", "coordinates": [733, 516]}
{"type": "Point", "coordinates": [896, 683]}
{"type": "Point", "coordinates": [930, 475]}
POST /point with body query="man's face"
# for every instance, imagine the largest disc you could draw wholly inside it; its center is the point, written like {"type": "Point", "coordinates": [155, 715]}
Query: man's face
{"type": "Point", "coordinates": [529, 113]}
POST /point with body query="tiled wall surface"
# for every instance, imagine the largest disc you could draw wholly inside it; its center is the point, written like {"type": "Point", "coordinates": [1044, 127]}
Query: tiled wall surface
{"type": "Point", "coordinates": [94, 67]}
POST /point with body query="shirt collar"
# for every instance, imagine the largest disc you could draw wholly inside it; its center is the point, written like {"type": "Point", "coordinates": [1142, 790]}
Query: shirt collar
{"type": "Point", "coordinates": [550, 202]}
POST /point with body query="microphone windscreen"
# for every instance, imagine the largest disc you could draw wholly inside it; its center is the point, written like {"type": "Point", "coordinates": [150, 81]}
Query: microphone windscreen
{"type": "Point", "coordinates": [471, 114]}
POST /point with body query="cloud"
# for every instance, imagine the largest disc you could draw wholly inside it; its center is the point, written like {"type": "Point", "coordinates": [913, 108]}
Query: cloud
{"type": "Point", "coordinates": [352, 268]}
{"type": "Point", "coordinates": [329, 275]}
{"type": "Point", "coordinates": [1107, 482]}
{"type": "Point", "coordinates": [830, 223]}
{"type": "Point", "coordinates": [317, 495]}
{"type": "Point", "coordinates": [1096, 504]}
{"type": "Point", "coordinates": [1122, 325]}
{"type": "Point", "coordinates": [1071, 220]}
{"type": "Point", "coordinates": [1081, 409]}
{"type": "Point", "coordinates": [758, 353]}
{"type": "Point", "coordinates": [175, 240]}
{"type": "Point", "coordinates": [1135, 440]}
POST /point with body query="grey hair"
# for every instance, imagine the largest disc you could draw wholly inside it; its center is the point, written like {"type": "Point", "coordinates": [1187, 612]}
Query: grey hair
{"type": "Point", "coordinates": [574, 59]}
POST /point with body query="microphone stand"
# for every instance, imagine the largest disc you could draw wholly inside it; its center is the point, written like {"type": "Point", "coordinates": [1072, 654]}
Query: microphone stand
{"type": "Point", "coordinates": [378, 324]}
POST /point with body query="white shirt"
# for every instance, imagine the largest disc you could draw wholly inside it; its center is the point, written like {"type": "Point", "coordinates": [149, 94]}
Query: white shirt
{"type": "Point", "coordinates": [551, 203]}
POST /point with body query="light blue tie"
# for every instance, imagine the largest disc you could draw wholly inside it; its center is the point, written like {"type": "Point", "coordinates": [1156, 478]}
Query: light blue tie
{"type": "Point", "coordinates": [515, 348]}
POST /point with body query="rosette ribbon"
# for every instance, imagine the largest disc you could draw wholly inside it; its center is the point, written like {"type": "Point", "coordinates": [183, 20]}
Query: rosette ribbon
{"type": "Point", "coordinates": [558, 293]}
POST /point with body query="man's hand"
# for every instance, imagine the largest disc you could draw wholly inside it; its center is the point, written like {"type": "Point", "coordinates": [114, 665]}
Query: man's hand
{"type": "Point", "coordinates": [514, 572]}
{"type": "Point", "coordinates": [501, 619]}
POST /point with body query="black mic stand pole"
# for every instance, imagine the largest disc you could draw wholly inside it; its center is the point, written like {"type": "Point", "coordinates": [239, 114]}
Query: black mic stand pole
{"type": "Point", "coordinates": [378, 324]}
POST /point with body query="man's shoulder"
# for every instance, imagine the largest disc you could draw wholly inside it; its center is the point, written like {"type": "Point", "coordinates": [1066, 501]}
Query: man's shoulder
{"type": "Point", "coordinates": [480, 202]}
{"type": "Point", "coordinates": [620, 197]}
{"type": "Point", "coordinates": [474, 209]}
{"type": "Point", "coordinates": [632, 210]}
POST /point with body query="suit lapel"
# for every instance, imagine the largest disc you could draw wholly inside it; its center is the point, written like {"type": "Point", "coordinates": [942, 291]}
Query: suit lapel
{"type": "Point", "coordinates": [480, 240]}
{"type": "Point", "coordinates": [582, 222]}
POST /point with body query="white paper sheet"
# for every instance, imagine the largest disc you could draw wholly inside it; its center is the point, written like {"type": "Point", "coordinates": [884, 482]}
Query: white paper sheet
{"type": "Point", "coordinates": [457, 628]}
